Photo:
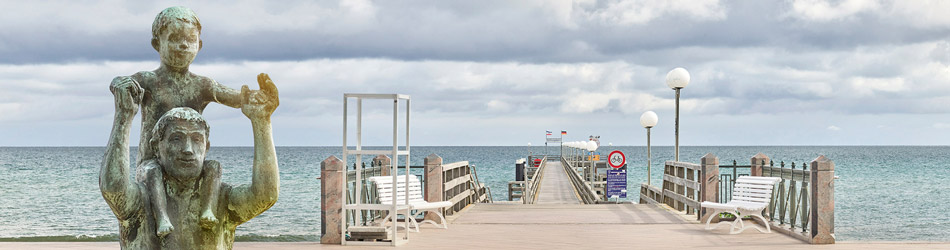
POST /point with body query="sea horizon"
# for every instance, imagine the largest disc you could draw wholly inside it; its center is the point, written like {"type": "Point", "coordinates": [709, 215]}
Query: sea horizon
{"type": "Point", "coordinates": [52, 193]}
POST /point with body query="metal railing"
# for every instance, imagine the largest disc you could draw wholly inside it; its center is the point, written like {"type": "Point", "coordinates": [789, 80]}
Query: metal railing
{"type": "Point", "coordinates": [790, 204]}
{"type": "Point", "coordinates": [534, 182]}
{"type": "Point", "coordinates": [727, 179]}
{"type": "Point", "coordinates": [585, 191]}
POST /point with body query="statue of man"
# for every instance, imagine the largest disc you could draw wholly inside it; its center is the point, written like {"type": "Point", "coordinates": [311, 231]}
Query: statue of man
{"type": "Point", "coordinates": [176, 36]}
{"type": "Point", "coordinates": [181, 140]}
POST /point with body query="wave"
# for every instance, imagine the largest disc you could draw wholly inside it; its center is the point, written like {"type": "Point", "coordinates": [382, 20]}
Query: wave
{"type": "Point", "coordinates": [115, 237]}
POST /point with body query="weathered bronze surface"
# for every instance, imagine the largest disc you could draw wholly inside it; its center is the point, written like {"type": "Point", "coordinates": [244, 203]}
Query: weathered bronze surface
{"type": "Point", "coordinates": [177, 200]}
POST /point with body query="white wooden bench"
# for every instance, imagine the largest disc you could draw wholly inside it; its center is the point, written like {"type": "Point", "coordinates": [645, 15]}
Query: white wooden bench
{"type": "Point", "coordinates": [750, 196]}
{"type": "Point", "coordinates": [385, 193]}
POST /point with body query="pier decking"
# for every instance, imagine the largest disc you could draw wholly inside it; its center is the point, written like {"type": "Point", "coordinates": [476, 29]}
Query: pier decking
{"type": "Point", "coordinates": [556, 186]}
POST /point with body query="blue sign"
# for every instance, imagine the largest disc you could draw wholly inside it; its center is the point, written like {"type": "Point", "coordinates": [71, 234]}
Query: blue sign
{"type": "Point", "coordinates": [617, 183]}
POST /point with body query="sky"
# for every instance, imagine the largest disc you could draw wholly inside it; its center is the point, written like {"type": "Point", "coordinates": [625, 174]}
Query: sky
{"type": "Point", "coordinates": [501, 72]}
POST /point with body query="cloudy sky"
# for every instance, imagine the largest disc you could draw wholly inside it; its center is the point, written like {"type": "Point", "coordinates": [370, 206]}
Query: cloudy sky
{"type": "Point", "coordinates": [489, 72]}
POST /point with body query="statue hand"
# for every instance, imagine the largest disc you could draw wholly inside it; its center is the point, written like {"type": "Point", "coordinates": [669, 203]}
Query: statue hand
{"type": "Point", "coordinates": [261, 103]}
{"type": "Point", "coordinates": [128, 94]}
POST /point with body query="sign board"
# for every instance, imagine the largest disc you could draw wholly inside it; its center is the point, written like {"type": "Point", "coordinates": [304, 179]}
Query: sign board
{"type": "Point", "coordinates": [594, 156]}
{"type": "Point", "coordinates": [617, 182]}
{"type": "Point", "coordinates": [616, 159]}
{"type": "Point", "coordinates": [554, 140]}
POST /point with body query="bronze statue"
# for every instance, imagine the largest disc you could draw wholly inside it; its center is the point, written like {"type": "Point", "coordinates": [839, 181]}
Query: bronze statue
{"type": "Point", "coordinates": [178, 200]}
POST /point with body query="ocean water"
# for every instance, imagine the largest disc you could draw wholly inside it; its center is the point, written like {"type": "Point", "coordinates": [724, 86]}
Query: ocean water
{"type": "Point", "coordinates": [885, 193]}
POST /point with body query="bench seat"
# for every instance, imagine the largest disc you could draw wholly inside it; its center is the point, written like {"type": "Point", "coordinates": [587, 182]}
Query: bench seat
{"type": "Point", "coordinates": [750, 197]}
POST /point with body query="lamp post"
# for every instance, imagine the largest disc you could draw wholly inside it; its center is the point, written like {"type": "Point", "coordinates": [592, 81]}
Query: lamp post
{"type": "Point", "coordinates": [677, 79]}
{"type": "Point", "coordinates": [591, 147]}
{"type": "Point", "coordinates": [648, 120]}
{"type": "Point", "coordinates": [529, 150]}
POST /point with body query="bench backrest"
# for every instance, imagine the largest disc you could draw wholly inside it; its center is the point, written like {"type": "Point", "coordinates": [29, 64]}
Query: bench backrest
{"type": "Point", "coordinates": [385, 192]}
{"type": "Point", "coordinates": [754, 189]}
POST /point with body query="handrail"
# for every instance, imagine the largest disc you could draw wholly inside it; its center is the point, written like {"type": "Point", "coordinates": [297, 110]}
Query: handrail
{"type": "Point", "coordinates": [531, 191]}
{"type": "Point", "coordinates": [459, 188]}
{"type": "Point", "coordinates": [680, 189]}
{"type": "Point", "coordinates": [586, 193]}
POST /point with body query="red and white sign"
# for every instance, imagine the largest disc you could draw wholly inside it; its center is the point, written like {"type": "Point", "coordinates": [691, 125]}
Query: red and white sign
{"type": "Point", "coordinates": [616, 159]}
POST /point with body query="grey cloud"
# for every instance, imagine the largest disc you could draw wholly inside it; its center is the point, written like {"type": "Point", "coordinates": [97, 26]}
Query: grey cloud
{"type": "Point", "coordinates": [463, 31]}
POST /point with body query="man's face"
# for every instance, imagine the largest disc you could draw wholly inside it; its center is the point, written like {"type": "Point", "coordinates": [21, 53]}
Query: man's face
{"type": "Point", "coordinates": [178, 44]}
{"type": "Point", "coordinates": [182, 150]}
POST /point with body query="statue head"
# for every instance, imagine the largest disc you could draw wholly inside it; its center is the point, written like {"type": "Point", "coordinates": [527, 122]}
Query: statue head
{"type": "Point", "coordinates": [180, 142]}
{"type": "Point", "coordinates": [176, 35]}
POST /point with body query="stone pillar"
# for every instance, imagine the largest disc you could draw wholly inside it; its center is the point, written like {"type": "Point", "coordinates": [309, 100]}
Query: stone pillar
{"type": "Point", "coordinates": [331, 207]}
{"type": "Point", "coordinates": [383, 161]}
{"type": "Point", "coordinates": [758, 161]}
{"type": "Point", "coordinates": [710, 183]}
{"type": "Point", "coordinates": [434, 183]}
{"type": "Point", "coordinates": [823, 201]}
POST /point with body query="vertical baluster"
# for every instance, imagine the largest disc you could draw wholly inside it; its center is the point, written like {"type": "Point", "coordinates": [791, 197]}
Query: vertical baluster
{"type": "Point", "coordinates": [792, 198]}
{"type": "Point", "coordinates": [805, 198]}
{"type": "Point", "coordinates": [771, 204]}
{"type": "Point", "coordinates": [781, 195]}
{"type": "Point", "coordinates": [732, 185]}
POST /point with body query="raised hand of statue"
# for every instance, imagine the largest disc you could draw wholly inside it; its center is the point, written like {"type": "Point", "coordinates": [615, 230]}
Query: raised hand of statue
{"type": "Point", "coordinates": [260, 104]}
{"type": "Point", "coordinates": [127, 93]}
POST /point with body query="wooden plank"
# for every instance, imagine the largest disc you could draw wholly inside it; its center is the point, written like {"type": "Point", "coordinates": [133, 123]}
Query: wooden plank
{"type": "Point", "coordinates": [680, 198]}
{"type": "Point", "coordinates": [681, 182]}
{"type": "Point", "coordinates": [464, 179]}
{"type": "Point", "coordinates": [454, 165]}
{"type": "Point", "coordinates": [460, 196]}
{"type": "Point", "coordinates": [786, 173]}
{"type": "Point", "coordinates": [648, 199]}
{"type": "Point", "coordinates": [686, 165]}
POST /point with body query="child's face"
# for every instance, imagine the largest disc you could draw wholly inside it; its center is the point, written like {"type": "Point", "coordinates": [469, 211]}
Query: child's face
{"type": "Point", "coordinates": [179, 44]}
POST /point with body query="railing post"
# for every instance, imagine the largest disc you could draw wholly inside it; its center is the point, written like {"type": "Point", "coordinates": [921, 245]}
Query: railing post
{"type": "Point", "coordinates": [758, 161]}
{"type": "Point", "coordinates": [383, 162]}
{"type": "Point", "coordinates": [434, 183]}
{"type": "Point", "coordinates": [710, 183]}
{"type": "Point", "coordinates": [823, 201]}
{"type": "Point", "coordinates": [331, 207]}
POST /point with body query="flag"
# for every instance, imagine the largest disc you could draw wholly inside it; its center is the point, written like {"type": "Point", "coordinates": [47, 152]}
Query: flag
{"type": "Point", "coordinates": [548, 132]}
{"type": "Point", "coordinates": [563, 132]}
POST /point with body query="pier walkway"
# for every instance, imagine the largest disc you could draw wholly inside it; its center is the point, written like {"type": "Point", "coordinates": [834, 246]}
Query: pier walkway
{"type": "Point", "coordinates": [556, 186]}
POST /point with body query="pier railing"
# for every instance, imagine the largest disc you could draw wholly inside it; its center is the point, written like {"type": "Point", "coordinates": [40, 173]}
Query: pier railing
{"type": "Point", "coordinates": [680, 190]}
{"type": "Point", "coordinates": [790, 202]}
{"type": "Point", "coordinates": [802, 204]}
{"type": "Point", "coordinates": [584, 190]}
{"type": "Point", "coordinates": [460, 186]}
{"type": "Point", "coordinates": [727, 179]}
{"type": "Point", "coordinates": [455, 182]}
{"type": "Point", "coordinates": [533, 182]}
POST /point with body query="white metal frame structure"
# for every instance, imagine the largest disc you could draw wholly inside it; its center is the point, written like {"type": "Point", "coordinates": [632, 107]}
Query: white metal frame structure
{"type": "Point", "coordinates": [358, 152]}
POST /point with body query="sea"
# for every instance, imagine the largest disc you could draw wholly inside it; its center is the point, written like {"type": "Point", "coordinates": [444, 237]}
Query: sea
{"type": "Point", "coordinates": [884, 193]}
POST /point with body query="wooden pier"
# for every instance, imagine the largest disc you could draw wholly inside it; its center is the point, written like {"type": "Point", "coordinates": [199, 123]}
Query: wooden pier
{"type": "Point", "coordinates": [555, 186]}
{"type": "Point", "coordinates": [557, 220]}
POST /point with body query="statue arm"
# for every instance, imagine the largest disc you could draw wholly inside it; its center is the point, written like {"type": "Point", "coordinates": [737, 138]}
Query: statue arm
{"type": "Point", "coordinates": [249, 201]}
{"type": "Point", "coordinates": [114, 183]}
{"type": "Point", "coordinates": [224, 95]}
